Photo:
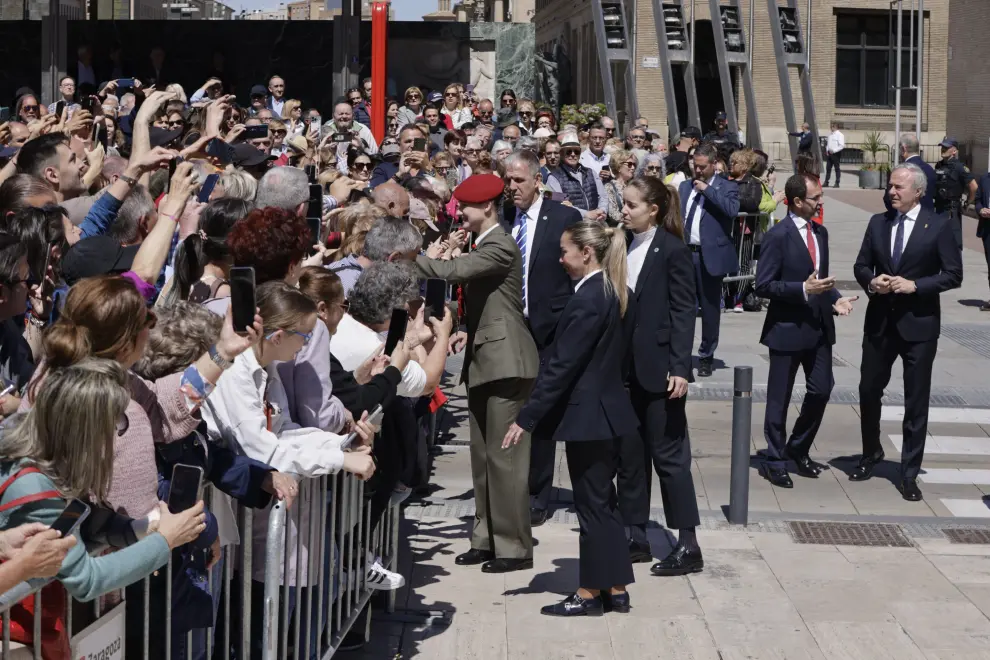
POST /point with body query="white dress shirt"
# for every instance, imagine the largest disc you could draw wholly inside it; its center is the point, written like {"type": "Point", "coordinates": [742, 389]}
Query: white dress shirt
{"type": "Point", "coordinates": [800, 224]}
{"type": "Point", "coordinates": [695, 237]}
{"type": "Point", "coordinates": [836, 142]}
{"type": "Point", "coordinates": [277, 106]}
{"type": "Point", "coordinates": [353, 343]}
{"type": "Point", "coordinates": [637, 254]}
{"type": "Point", "coordinates": [912, 217]}
{"type": "Point", "coordinates": [480, 237]}
{"type": "Point", "coordinates": [585, 279]}
{"type": "Point", "coordinates": [593, 162]}
{"type": "Point", "coordinates": [532, 213]}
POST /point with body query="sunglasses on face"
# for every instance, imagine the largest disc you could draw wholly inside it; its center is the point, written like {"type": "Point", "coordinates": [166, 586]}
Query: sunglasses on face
{"type": "Point", "coordinates": [629, 164]}
{"type": "Point", "coordinates": [451, 95]}
{"type": "Point", "coordinates": [525, 113]}
{"type": "Point", "coordinates": [506, 102]}
{"type": "Point", "coordinates": [29, 108]}
{"type": "Point", "coordinates": [362, 167]}
{"type": "Point", "coordinates": [652, 168]}
{"type": "Point", "coordinates": [486, 113]}
{"type": "Point", "coordinates": [443, 170]}
{"type": "Point", "coordinates": [571, 152]}
{"type": "Point", "coordinates": [413, 97]}
{"type": "Point", "coordinates": [175, 123]}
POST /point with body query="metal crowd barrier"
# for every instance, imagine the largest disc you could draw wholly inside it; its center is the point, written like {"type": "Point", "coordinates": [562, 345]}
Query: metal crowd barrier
{"type": "Point", "coordinates": [746, 243]}
{"type": "Point", "coordinates": [336, 597]}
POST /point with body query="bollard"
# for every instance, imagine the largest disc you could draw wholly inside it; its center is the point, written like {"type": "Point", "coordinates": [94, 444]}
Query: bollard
{"type": "Point", "coordinates": [742, 416]}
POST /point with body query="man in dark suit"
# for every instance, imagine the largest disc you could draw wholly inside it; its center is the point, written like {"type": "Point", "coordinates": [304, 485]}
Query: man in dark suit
{"type": "Point", "coordinates": [798, 329]}
{"type": "Point", "coordinates": [537, 226]}
{"type": "Point", "coordinates": [499, 368]}
{"type": "Point", "coordinates": [907, 259]}
{"type": "Point", "coordinates": [709, 205]}
{"type": "Point", "coordinates": [983, 216]}
{"type": "Point", "coordinates": [911, 153]}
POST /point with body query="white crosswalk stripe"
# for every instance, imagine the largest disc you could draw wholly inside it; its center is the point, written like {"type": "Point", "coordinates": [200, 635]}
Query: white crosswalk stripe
{"type": "Point", "coordinates": [974, 445]}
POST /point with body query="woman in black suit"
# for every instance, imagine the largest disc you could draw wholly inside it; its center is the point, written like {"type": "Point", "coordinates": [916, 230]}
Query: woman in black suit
{"type": "Point", "coordinates": [581, 389]}
{"type": "Point", "coordinates": [663, 308]}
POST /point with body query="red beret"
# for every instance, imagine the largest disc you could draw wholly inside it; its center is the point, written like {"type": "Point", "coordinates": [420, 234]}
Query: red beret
{"type": "Point", "coordinates": [479, 188]}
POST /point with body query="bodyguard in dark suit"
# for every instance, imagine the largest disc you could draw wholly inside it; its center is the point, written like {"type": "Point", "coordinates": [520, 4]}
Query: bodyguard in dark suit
{"type": "Point", "coordinates": [537, 226]}
{"type": "Point", "coordinates": [911, 154]}
{"type": "Point", "coordinates": [907, 259]}
{"type": "Point", "coordinates": [709, 205]}
{"type": "Point", "coordinates": [660, 324]}
{"type": "Point", "coordinates": [583, 371]}
{"type": "Point", "coordinates": [799, 329]}
{"type": "Point", "coordinates": [983, 215]}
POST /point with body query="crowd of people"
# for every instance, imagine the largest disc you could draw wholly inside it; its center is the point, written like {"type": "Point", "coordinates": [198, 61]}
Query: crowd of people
{"type": "Point", "coordinates": [576, 262]}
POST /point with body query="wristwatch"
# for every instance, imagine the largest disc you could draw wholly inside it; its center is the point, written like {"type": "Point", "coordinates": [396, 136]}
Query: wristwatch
{"type": "Point", "coordinates": [131, 181]}
{"type": "Point", "coordinates": [218, 359]}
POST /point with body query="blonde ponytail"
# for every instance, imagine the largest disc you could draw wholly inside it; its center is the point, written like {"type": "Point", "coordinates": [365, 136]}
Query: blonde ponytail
{"type": "Point", "coordinates": [609, 246]}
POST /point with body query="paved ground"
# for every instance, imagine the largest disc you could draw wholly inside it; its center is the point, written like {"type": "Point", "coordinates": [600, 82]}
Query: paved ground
{"type": "Point", "coordinates": [762, 595]}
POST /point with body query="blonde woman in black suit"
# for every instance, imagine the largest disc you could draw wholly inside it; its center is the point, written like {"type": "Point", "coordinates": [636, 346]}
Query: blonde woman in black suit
{"type": "Point", "coordinates": [581, 393]}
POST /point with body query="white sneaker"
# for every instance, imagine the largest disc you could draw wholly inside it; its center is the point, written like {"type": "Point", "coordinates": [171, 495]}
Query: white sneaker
{"type": "Point", "coordinates": [738, 309]}
{"type": "Point", "coordinates": [380, 578]}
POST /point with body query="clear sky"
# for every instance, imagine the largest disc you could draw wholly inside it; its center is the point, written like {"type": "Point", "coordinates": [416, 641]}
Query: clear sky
{"type": "Point", "coordinates": [405, 10]}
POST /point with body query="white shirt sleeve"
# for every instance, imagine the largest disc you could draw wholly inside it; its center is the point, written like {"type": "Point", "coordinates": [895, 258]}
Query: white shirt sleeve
{"type": "Point", "coordinates": [553, 184]}
{"type": "Point", "coordinates": [413, 381]}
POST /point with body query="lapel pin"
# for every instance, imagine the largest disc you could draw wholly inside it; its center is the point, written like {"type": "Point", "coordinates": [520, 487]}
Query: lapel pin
{"type": "Point", "coordinates": [656, 249]}
{"type": "Point", "coordinates": [545, 217]}
{"type": "Point", "coordinates": [926, 226]}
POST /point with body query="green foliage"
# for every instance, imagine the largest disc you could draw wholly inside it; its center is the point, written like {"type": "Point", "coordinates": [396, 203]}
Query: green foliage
{"type": "Point", "coordinates": [579, 115]}
{"type": "Point", "coordinates": [873, 144]}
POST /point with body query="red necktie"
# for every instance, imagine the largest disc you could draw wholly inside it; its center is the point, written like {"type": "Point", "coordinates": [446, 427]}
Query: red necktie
{"type": "Point", "coordinates": [811, 246]}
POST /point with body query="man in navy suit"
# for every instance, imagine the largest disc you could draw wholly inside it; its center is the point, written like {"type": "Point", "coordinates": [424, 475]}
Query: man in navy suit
{"type": "Point", "coordinates": [537, 226]}
{"type": "Point", "coordinates": [983, 215]}
{"type": "Point", "coordinates": [911, 153]}
{"type": "Point", "coordinates": [908, 257]}
{"type": "Point", "coordinates": [798, 329]}
{"type": "Point", "coordinates": [709, 205]}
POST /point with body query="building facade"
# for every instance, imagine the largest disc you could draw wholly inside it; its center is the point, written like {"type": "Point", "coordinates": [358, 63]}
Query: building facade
{"type": "Point", "coordinates": [852, 47]}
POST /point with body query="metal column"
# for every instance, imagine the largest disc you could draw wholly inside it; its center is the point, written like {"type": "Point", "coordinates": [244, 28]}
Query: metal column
{"type": "Point", "coordinates": [615, 59]}
{"type": "Point", "coordinates": [789, 47]}
{"type": "Point", "coordinates": [731, 49]}
{"type": "Point", "coordinates": [674, 42]}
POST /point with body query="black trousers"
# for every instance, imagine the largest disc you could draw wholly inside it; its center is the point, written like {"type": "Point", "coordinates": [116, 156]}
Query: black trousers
{"type": "Point", "coordinates": [542, 461]}
{"type": "Point", "coordinates": [833, 161]}
{"type": "Point", "coordinates": [663, 442]}
{"type": "Point", "coordinates": [603, 560]}
{"type": "Point", "coordinates": [986, 249]}
{"type": "Point", "coordinates": [817, 365]}
{"type": "Point", "coordinates": [710, 300]}
{"type": "Point", "coordinates": [879, 354]}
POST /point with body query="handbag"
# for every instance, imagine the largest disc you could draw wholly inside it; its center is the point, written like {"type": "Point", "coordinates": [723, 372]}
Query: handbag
{"type": "Point", "coordinates": [54, 634]}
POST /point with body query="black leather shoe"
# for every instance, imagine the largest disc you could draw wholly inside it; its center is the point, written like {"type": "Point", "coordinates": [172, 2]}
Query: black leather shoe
{"type": "Point", "coordinates": [618, 603]}
{"type": "Point", "coordinates": [705, 368]}
{"type": "Point", "coordinates": [777, 476]}
{"type": "Point", "coordinates": [679, 562]}
{"type": "Point", "coordinates": [473, 557]}
{"type": "Point", "coordinates": [807, 467]}
{"type": "Point", "coordinates": [639, 554]}
{"type": "Point", "coordinates": [910, 490]}
{"type": "Point", "coordinates": [864, 470]}
{"type": "Point", "coordinates": [574, 605]}
{"type": "Point", "coordinates": [538, 516]}
{"type": "Point", "coordinates": [985, 307]}
{"type": "Point", "coordinates": [504, 565]}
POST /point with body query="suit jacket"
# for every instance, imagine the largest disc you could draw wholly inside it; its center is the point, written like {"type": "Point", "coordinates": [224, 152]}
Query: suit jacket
{"type": "Point", "coordinates": [661, 314]}
{"type": "Point", "coordinates": [499, 343]}
{"type": "Point", "coordinates": [983, 202]}
{"type": "Point", "coordinates": [928, 199]}
{"type": "Point", "coordinates": [794, 323]}
{"type": "Point", "coordinates": [548, 286]}
{"type": "Point", "coordinates": [719, 211]}
{"type": "Point", "coordinates": [931, 259]}
{"type": "Point", "coordinates": [584, 369]}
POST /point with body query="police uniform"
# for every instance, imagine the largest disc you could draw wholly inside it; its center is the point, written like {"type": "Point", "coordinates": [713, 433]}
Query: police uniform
{"type": "Point", "coordinates": [952, 180]}
{"type": "Point", "coordinates": [726, 139]}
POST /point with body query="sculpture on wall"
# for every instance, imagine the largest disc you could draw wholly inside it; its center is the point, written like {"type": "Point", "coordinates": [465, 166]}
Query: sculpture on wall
{"type": "Point", "coordinates": [483, 69]}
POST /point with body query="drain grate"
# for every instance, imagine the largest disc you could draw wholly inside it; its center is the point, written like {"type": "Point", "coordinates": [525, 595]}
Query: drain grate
{"type": "Point", "coordinates": [866, 534]}
{"type": "Point", "coordinates": [967, 535]}
{"type": "Point", "coordinates": [970, 335]}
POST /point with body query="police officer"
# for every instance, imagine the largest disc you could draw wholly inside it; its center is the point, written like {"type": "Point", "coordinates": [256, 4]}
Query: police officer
{"type": "Point", "coordinates": [953, 180]}
{"type": "Point", "coordinates": [722, 137]}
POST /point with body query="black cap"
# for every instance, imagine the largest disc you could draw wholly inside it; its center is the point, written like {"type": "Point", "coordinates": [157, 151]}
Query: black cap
{"type": "Point", "coordinates": [691, 132]}
{"type": "Point", "coordinates": [720, 115]}
{"type": "Point", "coordinates": [675, 160]}
{"type": "Point", "coordinates": [246, 155]}
{"type": "Point", "coordinates": [97, 255]}
{"type": "Point", "coordinates": [160, 137]}
{"type": "Point", "coordinates": [259, 90]}
{"type": "Point", "coordinates": [948, 142]}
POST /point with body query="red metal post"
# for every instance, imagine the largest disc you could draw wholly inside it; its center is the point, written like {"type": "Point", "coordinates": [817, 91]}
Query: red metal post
{"type": "Point", "coordinates": [379, 37]}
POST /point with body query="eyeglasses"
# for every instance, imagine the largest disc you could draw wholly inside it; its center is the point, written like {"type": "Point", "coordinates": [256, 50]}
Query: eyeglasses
{"type": "Point", "coordinates": [29, 108]}
{"type": "Point", "coordinates": [486, 113]}
{"type": "Point", "coordinates": [633, 165]}
{"type": "Point", "coordinates": [306, 336]}
{"type": "Point", "coordinates": [280, 133]}
{"type": "Point", "coordinates": [508, 101]}
{"type": "Point", "coordinates": [443, 170]}
{"type": "Point", "coordinates": [451, 95]}
{"type": "Point", "coordinates": [637, 138]}
{"type": "Point", "coordinates": [652, 168]}
{"type": "Point", "coordinates": [413, 97]}
{"type": "Point", "coordinates": [470, 152]}
{"type": "Point", "coordinates": [178, 122]}
{"type": "Point", "coordinates": [361, 167]}
{"type": "Point", "coordinates": [525, 113]}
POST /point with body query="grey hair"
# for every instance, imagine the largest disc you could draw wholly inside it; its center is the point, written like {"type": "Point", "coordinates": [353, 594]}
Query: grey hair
{"type": "Point", "coordinates": [529, 143]}
{"type": "Point", "coordinates": [652, 157]}
{"type": "Point", "coordinates": [909, 142]}
{"type": "Point", "coordinates": [282, 188]}
{"type": "Point", "coordinates": [238, 183]}
{"type": "Point", "coordinates": [382, 287]}
{"type": "Point", "coordinates": [523, 157]}
{"type": "Point", "coordinates": [388, 236]}
{"type": "Point", "coordinates": [918, 179]}
{"type": "Point", "coordinates": [126, 228]}
{"type": "Point", "coordinates": [439, 187]}
{"type": "Point", "coordinates": [501, 144]}
{"type": "Point", "coordinates": [183, 333]}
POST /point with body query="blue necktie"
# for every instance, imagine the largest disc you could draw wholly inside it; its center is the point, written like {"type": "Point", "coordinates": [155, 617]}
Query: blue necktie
{"type": "Point", "coordinates": [521, 242]}
{"type": "Point", "coordinates": [689, 220]}
{"type": "Point", "coordinates": [895, 258]}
